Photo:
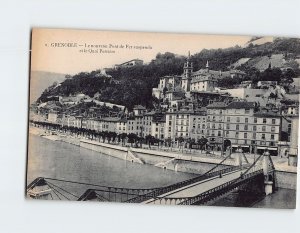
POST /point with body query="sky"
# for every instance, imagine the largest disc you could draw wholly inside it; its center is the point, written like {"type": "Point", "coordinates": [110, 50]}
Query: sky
{"type": "Point", "coordinates": [48, 55]}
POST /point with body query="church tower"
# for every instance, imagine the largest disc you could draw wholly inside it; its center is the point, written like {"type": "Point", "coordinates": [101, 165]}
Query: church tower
{"type": "Point", "coordinates": [207, 67]}
{"type": "Point", "coordinates": [187, 74]}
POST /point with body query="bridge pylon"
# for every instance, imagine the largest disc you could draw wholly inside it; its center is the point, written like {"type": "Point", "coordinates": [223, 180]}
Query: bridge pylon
{"type": "Point", "coordinates": [269, 173]}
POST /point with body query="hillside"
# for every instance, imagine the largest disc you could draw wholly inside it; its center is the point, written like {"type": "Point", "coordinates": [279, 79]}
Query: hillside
{"type": "Point", "coordinates": [131, 86]}
{"type": "Point", "coordinates": [40, 80]}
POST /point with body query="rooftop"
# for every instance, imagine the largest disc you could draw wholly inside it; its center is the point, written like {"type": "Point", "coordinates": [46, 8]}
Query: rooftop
{"type": "Point", "coordinates": [111, 119]}
{"type": "Point", "coordinates": [241, 105]}
{"type": "Point", "coordinates": [267, 114]}
{"type": "Point", "coordinates": [139, 107]}
{"type": "Point", "coordinates": [217, 105]}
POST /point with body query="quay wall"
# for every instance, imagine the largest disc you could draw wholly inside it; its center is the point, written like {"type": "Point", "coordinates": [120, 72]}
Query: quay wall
{"type": "Point", "coordinates": [167, 160]}
{"type": "Point", "coordinates": [286, 179]}
{"type": "Point", "coordinates": [178, 162]}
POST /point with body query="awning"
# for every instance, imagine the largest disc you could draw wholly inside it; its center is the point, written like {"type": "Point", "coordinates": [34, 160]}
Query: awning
{"type": "Point", "coordinates": [245, 146]}
{"type": "Point", "coordinates": [262, 148]}
{"type": "Point", "coordinates": [234, 145]}
{"type": "Point", "coordinates": [272, 148]}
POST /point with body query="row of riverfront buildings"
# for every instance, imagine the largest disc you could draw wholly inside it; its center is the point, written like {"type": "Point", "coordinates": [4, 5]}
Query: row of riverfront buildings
{"type": "Point", "coordinates": [240, 122]}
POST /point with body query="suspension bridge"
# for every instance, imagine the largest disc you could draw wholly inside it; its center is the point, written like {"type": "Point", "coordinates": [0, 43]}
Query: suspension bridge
{"type": "Point", "coordinates": [195, 191]}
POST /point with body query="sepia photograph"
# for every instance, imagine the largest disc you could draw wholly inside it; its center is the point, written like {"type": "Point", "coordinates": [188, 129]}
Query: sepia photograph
{"type": "Point", "coordinates": [163, 118]}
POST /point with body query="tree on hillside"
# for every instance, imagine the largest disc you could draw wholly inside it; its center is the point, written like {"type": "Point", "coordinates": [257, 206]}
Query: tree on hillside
{"type": "Point", "coordinates": [271, 74]}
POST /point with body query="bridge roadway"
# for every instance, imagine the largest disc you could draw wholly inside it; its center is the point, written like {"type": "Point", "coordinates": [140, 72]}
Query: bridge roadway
{"type": "Point", "coordinates": [197, 188]}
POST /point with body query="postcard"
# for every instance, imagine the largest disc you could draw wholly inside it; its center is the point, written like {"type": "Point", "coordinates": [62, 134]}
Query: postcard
{"type": "Point", "coordinates": [163, 119]}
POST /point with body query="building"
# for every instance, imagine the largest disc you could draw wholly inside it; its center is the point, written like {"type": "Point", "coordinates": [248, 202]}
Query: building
{"type": "Point", "coordinates": [267, 132]}
{"type": "Point", "coordinates": [198, 124]}
{"type": "Point", "coordinates": [147, 123]}
{"type": "Point", "coordinates": [204, 83]}
{"type": "Point", "coordinates": [240, 123]}
{"type": "Point", "coordinates": [203, 80]}
{"type": "Point", "coordinates": [250, 95]}
{"type": "Point", "coordinates": [215, 124]}
{"type": "Point", "coordinates": [131, 63]}
{"type": "Point", "coordinates": [158, 126]}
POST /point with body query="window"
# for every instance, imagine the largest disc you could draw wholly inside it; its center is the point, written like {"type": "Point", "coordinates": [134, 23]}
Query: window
{"type": "Point", "coordinates": [227, 126]}
{"type": "Point", "coordinates": [238, 119]}
{"type": "Point", "coordinates": [263, 136]}
{"type": "Point", "coordinates": [246, 120]}
{"type": "Point", "coordinates": [264, 120]}
{"type": "Point", "coordinates": [219, 133]}
{"type": "Point", "coordinates": [245, 142]}
{"type": "Point", "coordinates": [236, 134]}
{"type": "Point", "coordinates": [264, 128]}
{"type": "Point", "coordinates": [272, 136]}
{"type": "Point", "coordinates": [220, 127]}
{"type": "Point", "coordinates": [246, 127]}
{"type": "Point", "coordinates": [273, 121]}
{"type": "Point", "coordinates": [227, 133]}
{"type": "Point", "coordinates": [254, 127]}
{"type": "Point", "coordinates": [203, 126]}
{"type": "Point", "coordinates": [170, 122]}
{"type": "Point", "coordinates": [247, 111]}
{"type": "Point", "coordinates": [272, 144]}
{"type": "Point", "coordinates": [245, 135]}
{"type": "Point", "coordinates": [273, 129]}
{"type": "Point", "coordinates": [254, 136]}
{"type": "Point", "coordinates": [237, 127]}
{"type": "Point", "coordinates": [228, 119]}
{"type": "Point", "coordinates": [255, 120]}
{"type": "Point", "coordinates": [213, 126]}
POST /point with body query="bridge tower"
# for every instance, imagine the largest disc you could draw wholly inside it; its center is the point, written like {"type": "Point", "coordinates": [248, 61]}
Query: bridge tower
{"type": "Point", "coordinates": [269, 173]}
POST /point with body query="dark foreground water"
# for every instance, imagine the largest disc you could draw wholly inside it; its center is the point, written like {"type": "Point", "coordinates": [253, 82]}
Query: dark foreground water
{"type": "Point", "coordinates": [60, 160]}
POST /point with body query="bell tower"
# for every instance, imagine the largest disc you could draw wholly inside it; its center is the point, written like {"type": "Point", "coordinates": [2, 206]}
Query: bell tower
{"type": "Point", "coordinates": [187, 74]}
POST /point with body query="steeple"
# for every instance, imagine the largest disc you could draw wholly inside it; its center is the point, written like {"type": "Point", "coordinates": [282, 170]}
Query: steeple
{"type": "Point", "coordinates": [188, 67]}
{"type": "Point", "coordinates": [207, 66]}
{"type": "Point", "coordinates": [187, 73]}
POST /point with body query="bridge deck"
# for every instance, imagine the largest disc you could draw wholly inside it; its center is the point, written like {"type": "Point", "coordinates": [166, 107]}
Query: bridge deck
{"type": "Point", "coordinates": [199, 187]}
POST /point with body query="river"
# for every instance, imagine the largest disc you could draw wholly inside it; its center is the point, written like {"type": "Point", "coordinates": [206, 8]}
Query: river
{"type": "Point", "coordinates": [60, 160]}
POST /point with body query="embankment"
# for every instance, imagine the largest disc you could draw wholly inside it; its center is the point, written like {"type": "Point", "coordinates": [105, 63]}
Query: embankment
{"type": "Point", "coordinates": [176, 162]}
